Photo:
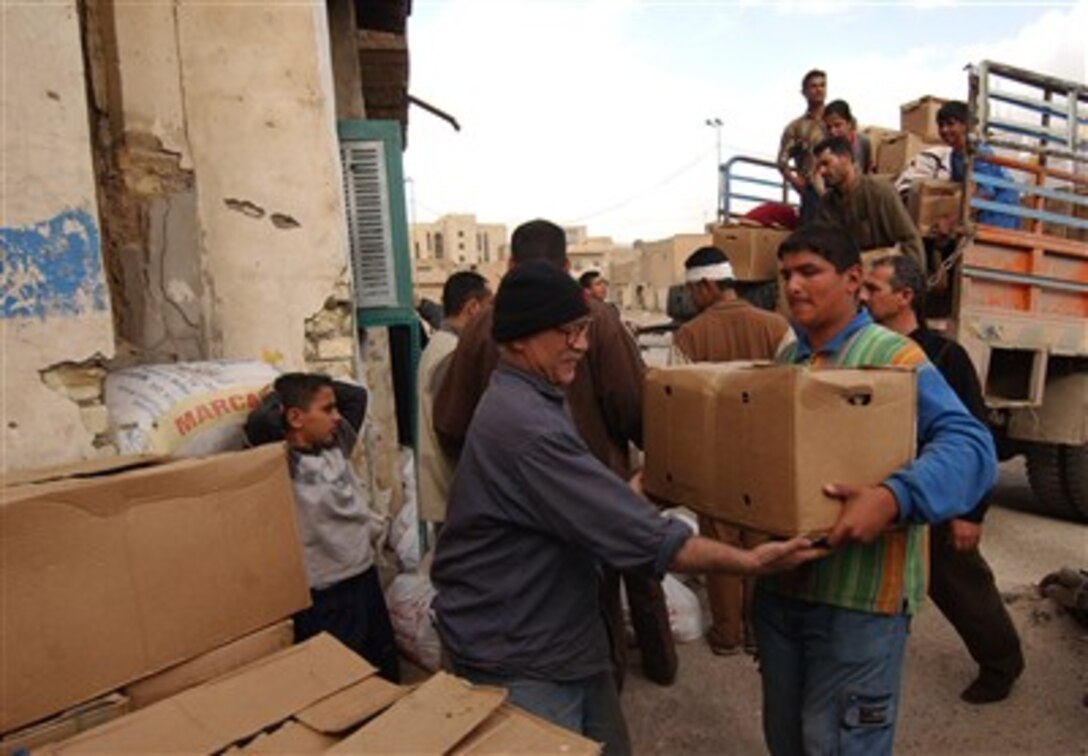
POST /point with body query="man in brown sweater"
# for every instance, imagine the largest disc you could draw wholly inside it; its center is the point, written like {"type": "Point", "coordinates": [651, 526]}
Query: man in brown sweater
{"type": "Point", "coordinates": [605, 400]}
{"type": "Point", "coordinates": [865, 205]}
{"type": "Point", "coordinates": [727, 328]}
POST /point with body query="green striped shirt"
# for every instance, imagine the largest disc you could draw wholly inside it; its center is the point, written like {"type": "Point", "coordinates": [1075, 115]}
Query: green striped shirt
{"type": "Point", "coordinates": [889, 573]}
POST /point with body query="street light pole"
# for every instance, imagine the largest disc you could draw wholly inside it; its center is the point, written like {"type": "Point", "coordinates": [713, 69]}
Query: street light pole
{"type": "Point", "coordinates": [716, 124]}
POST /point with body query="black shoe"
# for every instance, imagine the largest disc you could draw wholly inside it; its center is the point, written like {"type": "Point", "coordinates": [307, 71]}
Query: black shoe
{"type": "Point", "coordinates": [986, 689]}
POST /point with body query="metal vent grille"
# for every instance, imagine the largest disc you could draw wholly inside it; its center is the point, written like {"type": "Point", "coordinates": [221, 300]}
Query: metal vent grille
{"type": "Point", "coordinates": [370, 236]}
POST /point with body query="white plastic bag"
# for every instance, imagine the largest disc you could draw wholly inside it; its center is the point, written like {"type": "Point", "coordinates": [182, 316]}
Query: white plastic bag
{"type": "Point", "coordinates": [404, 529]}
{"type": "Point", "coordinates": [685, 613]}
{"type": "Point", "coordinates": [409, 599]}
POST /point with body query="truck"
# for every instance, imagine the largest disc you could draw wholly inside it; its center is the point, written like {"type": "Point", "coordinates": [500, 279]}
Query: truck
{"type": "Point", "coordinates": [1015, 299]}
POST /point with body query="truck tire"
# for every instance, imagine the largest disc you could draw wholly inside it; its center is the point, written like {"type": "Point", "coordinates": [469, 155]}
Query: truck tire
{"type": "Point", "coordinates": [1058, 475]}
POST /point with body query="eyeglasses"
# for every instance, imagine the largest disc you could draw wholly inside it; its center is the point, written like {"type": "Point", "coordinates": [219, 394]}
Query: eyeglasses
{"type": "Point", "coordinates": [573, 332]}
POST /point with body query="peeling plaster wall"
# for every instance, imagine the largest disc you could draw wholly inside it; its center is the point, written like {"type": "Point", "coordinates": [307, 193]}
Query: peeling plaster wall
{"type": "Point", "coordinates": [243, 95]}
{"type": "Point", "coordinates": [56, 317]}
{"type": "Point", "coordinates": [258, 98]}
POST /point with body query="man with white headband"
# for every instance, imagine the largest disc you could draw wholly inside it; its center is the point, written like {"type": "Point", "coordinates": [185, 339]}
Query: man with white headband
{"type": "Point", "coordinates": [727, 328]}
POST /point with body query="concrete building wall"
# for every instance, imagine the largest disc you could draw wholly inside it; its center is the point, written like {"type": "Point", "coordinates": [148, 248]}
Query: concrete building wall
{"type": "Point", "coordinates": [57, 324]}
{"type": "Point", "coordinates": [496, 248]}
{"type": "Point", "coordinates": [663, 265]}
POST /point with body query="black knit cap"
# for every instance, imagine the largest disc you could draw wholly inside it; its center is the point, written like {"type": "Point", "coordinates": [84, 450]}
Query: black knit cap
{"type": "Point", "coordinates": [533, 297]}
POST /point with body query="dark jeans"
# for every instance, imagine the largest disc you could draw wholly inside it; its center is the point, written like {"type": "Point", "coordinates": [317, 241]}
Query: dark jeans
{"type": "Point", "coordinates": [830, 677]}
{"type": "Point", "coordinates": [353, 611]}
{"type": "Point", "coordinates": [589, 706]}
{"type": "Point", "coordinates": [810, 203]}
{"type": "Point", "coordinates": [962, 586]}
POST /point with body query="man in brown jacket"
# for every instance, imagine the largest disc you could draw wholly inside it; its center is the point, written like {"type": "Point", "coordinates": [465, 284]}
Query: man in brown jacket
{"type": "Point", "coordinates": [727, 328]}
{"type": "Point", "coordinates": [865, 205]}
{"type": "Point", "coordinates": [606, 405]}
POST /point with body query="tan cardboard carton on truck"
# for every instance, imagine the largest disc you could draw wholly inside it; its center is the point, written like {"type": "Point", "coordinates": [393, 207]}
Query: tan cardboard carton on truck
{"type": "Point", "coordinates": [755, 444]}
{"type": "Point", "coordinates": [930, 200]}
{"type": "Point", "coordinates": [752, 250]}
{"type": "Point", "coordinates": [896, 151]}
{"type": "Point", "coordinates": [110, 578]}
{"type": "Point", "coordinates": [919, 117]}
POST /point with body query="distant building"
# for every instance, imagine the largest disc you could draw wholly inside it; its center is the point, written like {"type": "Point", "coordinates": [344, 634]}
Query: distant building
{"type": "Point", "coordinates": [458, 239]}
{"type": "Point", "coordinates": [662, 266]}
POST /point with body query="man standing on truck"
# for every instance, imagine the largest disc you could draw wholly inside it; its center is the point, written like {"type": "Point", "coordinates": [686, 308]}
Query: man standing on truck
{"type": "Point", "coordinates": [795, 158]}
{"type": "Point", "coordinates": [961, 583]}
{"type": "Point", "coordinates": [831, 634]}
{"type": "Point", "coordinates": [865, 205]}
{"type": "Point", "coordinates": [726, 328]}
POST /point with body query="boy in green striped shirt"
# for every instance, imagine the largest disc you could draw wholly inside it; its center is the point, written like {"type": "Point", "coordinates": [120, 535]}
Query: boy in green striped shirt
{"type": "Point", "coordinates": [831, 633]}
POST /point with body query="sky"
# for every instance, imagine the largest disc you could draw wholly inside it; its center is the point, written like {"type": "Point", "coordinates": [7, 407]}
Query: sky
{"type": "Point", "coordinates": [593, 112]}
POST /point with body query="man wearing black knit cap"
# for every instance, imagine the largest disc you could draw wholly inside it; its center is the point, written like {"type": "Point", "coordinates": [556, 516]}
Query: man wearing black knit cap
{"type": "Point", "coordinates": [532, 514]}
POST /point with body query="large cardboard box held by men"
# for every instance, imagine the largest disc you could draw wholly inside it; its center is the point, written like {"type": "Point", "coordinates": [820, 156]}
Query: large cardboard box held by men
{"type": "Point", "coordinates": [112, 577]}
{"type": "Point", "coordinates": [319, 697]}
{"type": "Point", "coordinates": [755, 444]}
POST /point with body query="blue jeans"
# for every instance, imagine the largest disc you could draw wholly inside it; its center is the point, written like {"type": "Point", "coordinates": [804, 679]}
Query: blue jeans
{"type": "Point", "coordinates": [830, 676]}
{"type": "Point", "coordinates": [589, 706]}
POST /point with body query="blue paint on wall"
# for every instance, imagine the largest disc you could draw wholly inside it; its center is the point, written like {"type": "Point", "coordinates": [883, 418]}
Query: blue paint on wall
{"type": "Point", "coordinates": [52, 268]}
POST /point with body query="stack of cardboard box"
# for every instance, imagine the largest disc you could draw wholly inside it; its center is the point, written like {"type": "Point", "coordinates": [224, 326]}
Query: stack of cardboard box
{"type": "Point", "coordinates": [892, 149]}
{"type": "Point", "coordinates": [146, 608]}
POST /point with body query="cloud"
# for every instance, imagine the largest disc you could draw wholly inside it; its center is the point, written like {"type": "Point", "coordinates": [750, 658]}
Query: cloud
{"type": "Point", "coordinates": [574, 111]}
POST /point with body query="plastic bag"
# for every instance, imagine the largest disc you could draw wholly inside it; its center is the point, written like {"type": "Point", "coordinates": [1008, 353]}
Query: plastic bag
{"type": "Point", "coordinates": [409, 599]}
{"type": "Point", "coordinates": [685, 613]}
{"type": "Point", "coordinates": [404, 529]}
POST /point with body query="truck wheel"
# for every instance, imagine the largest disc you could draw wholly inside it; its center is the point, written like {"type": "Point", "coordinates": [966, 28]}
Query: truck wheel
{"type": "Point", "coordinates": [1059, 478]}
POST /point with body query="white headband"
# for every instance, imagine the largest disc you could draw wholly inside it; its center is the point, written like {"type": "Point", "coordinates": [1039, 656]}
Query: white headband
{"type": "Point", "coordinates": [722, 271]}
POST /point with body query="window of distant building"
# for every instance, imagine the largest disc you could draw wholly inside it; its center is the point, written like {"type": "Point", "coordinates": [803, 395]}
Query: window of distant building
{"type": "Point", "coordinates": [460, 234]}
{"type": "Point", "coordinates": [461, 246]}
{"type": "Point", "coordinates": [430, 243]}
{"type": "Point", "coordinates": [438, 251]}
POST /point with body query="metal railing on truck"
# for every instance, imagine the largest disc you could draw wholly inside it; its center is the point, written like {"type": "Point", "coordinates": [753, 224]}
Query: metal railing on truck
{"type": "Point", "coordinates": [1021, 293]}
{"type": "Point", "coordinates": [752, 181]}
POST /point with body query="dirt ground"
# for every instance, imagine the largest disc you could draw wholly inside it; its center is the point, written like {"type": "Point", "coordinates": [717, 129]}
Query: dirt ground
{"type": "Point", "coordinates": [714, 706]}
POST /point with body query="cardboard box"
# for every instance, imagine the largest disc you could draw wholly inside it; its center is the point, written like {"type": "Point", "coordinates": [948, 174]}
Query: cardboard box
{"type": "Point", "coordinates": [919, 117]}
{"type": "Point", "coordinates": [312, 698]}
{"type": "Point", "coordinates": [752, 250]}
{"type": "Point", "coordinates": [65, 725]}
{"type": "Point", "coordinates": [755, 444]}
{"type": "Point", "coordinates": [930, 200]}
{"type": "Point", "coordinates": [896, 151]}
{"type": "Point", "coordinates": [876, 136]}
{"type": "Point", "coordinates": [109, 579]}
{"type": "Point", "coordinates": [205, 667]}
